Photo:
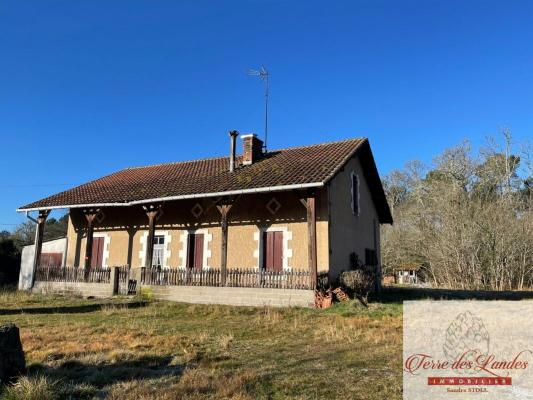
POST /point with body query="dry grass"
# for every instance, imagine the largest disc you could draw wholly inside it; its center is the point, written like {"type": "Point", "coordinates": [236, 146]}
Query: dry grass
{"type": "Point", "coordinates": [86, 349]}
{"type": "Point", "coordinates": [34, 388]}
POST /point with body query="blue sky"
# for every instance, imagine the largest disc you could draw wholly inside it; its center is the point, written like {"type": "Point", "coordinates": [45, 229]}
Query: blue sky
{"type": "Point", "coordinates": [90, 87]}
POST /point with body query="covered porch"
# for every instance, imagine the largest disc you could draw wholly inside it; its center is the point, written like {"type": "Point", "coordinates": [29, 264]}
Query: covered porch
{"type": "Point", "coordinates": [268, 275]}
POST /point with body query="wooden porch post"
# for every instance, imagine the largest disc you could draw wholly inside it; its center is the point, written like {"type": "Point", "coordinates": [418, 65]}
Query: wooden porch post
{"type": "Point", "coordinates": [310, 205]}
{"type": "Point", "coordinates": [224, 210]}
{"type": "Point", "coordinates": [39, 231]}
{"type": "Point", "coordinates": [152, 212]}
{"type": "Point", "coordinates": [90, 216]}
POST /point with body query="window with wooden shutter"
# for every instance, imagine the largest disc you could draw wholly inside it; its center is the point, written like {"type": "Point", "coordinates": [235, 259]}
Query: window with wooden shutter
{"type": "Point", "coordinates": [195, 250]}
{"type": "Point", "coordinates": [273, 251]}
{"type": "Point", "coordinates": [97, 252]}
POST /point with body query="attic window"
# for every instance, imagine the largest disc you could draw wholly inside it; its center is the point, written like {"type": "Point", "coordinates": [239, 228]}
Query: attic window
{"type": "Point", "coordinates": [355, 194]}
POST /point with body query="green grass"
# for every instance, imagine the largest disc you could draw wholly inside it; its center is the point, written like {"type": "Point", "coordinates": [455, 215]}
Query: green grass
{"type": "Point", "coordinates": [127, 349]}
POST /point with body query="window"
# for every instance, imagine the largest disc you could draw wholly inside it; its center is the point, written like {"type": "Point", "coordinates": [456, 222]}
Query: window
{"type": "Point", "coordinates": [355, 194]}
{"type": "Point", "coordinates": [371, 257]}
{"type": "Point", "coordinates": [195, 251]}
{"type": "Point", "coordinates": [159, 251]}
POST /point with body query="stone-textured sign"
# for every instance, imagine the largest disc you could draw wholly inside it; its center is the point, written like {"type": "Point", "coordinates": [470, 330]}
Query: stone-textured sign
{"type": "Point", "coordinates": [12, 362]}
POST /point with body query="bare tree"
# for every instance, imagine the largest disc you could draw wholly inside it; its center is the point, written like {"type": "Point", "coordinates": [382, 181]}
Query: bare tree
{"type": "Point", "coordinates": [468, 220]}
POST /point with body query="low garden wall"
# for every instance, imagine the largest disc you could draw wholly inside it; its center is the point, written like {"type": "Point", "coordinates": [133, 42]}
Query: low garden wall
{"type": "Point", "coordinates": [83, 289]}
{"type": "Point", "coordinates": [100, 283]}
{"type": "Point", "coordinates": [235, 296]}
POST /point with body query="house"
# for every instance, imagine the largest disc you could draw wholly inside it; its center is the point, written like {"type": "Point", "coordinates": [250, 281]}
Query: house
{"type": "Point", "coordinates": [262, 225]}
{"type": "Point", "coordinates": [408, 273]}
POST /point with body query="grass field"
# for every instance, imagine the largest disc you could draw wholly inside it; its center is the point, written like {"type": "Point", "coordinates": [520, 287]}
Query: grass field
{"type": "Point", "coordinates": [128, 349]}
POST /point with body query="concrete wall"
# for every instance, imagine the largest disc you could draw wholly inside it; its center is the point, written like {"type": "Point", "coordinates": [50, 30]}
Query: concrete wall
{"type": "Point", "coordinates": [234, 296]}
{"type": "Point", "coordinates": [125, 231]}
{"type": "Point", "coordinates": [27, 256]}
{"type": "Point", "coordinates": [99, 290]}
{"type": "Point", "coordinates": [348, 232]}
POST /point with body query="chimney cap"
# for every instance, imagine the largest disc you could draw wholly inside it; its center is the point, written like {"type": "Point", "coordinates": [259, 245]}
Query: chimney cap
{"type": "Point", "coordinates": [247, 135]}
{"type": "Point", "coordinates": [234, 133]}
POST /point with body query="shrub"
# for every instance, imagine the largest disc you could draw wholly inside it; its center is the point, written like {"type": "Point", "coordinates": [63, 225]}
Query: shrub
{"type": "Point", "coordinates": [359, 282]}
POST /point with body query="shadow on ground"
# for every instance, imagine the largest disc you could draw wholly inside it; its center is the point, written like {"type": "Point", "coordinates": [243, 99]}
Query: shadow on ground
{"type": "Point", "coordinates": [99, 375]}
{"type": "Point", "coordinates": [70, 309]}
{"type": "Point", "coordinates": [399, 294]}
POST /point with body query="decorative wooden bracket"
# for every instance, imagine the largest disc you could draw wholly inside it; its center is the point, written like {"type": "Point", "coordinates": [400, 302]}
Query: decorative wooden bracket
{"type": "Point", "coordinates": [91, 215]}
{"type": "Point", "coordinates": [153, 212]}
{"type": "Point", "coordinates": [224, 209]}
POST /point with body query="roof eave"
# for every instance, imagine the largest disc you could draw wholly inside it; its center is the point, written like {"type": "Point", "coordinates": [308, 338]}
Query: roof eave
{"type": "Point", "coordinates": [181, 197]}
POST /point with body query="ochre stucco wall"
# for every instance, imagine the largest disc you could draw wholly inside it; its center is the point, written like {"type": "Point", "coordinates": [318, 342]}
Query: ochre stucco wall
{"type": "Point", "coordinates": [125, 226]}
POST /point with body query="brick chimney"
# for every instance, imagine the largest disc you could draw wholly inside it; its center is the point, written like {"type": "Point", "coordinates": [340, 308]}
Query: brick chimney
{"type": "Point", "coordinates": [252, 148]}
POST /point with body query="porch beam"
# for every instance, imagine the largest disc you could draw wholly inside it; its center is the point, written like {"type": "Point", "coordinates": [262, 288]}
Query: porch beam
{"type": "Point", "coordinates": [224, 210]}
{"type": "Point", "coordinates": [153, 212]}
{"type": "Point", "coordinates": [38, 247]}
{"type": "Point", "coordinates": [309, 202]}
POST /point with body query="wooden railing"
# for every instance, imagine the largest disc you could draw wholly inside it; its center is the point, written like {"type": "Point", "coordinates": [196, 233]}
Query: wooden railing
{"type": "Point", "coordinates": [72, 274]}
{"type": "Point", "coordinates": [236, 277]}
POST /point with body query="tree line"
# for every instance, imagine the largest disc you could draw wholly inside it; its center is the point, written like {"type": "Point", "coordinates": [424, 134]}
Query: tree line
{"type": "Point", "coordinates": [466, 219]}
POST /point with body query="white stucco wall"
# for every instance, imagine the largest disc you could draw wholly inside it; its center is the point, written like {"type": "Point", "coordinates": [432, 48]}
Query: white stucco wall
{"type": "Point", "coordinates": [26, 259]}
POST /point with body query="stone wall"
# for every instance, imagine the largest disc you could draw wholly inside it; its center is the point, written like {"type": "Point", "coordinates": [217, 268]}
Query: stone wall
{"type": "Point", "coordinates": [233, 296]}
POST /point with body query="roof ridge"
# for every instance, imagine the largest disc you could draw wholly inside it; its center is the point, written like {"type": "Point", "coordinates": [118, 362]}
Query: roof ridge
{"type": "Point", "coordinates": [224, 157]}
{"type": "Point", "coordinates": [320, 144]}
{"type": "Point", "coordinates": [176, 162]}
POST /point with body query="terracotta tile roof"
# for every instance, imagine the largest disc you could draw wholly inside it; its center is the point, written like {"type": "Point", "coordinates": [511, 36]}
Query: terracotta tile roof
{"type": "Point", "coordinates": [306, 165]}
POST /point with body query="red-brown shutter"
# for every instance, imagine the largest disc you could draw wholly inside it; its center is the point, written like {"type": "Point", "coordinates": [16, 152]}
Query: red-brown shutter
{"type": "Point", "coordinates": [195, 250]}
{"type": "Point", "coordinates": [198, 251]}
{"type": "Point", "coordinates": [273, 251]}
{"type": "Point", "coordinates": [97, 252]}
{"type": "Point", "coordinates": [278, 251]}
{"type": "Point", "coordinates": [51, 259]}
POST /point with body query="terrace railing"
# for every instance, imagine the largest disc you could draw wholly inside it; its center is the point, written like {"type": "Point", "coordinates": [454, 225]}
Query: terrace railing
{"type": "Point", "coordinates": [236, 277]}
{"type": "Point", "coordinates": [72, 274]}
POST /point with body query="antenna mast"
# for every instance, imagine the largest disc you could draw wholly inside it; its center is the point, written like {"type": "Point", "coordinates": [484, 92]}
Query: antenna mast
{"type": "Point", "coordinates": [263, 75]}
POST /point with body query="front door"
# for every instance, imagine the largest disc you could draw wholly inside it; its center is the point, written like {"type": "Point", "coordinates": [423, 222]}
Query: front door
{"type": "Point", "coordinates": [97, 253]}
{"type": "Point", "coordinates": [273, 251]}
{"type": "Point", "coordinates": [195, 251]}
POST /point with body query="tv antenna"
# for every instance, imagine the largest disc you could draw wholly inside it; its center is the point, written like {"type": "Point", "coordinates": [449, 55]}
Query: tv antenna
{"type": "Point", "coordinates": [262, 73]}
